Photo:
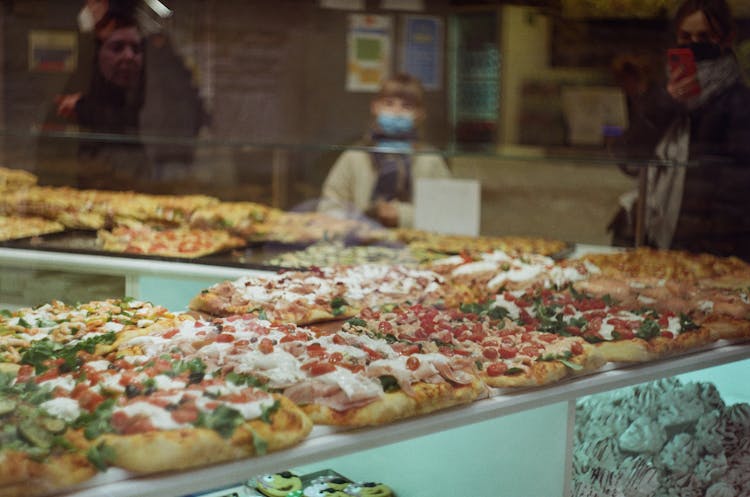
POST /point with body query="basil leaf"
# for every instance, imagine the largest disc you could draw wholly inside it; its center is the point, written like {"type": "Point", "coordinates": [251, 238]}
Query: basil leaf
{"type": "Point", "coordinates": [687, 323]}
{"type": "Point", "coordinates": [571, 365]}
{"type": "Point", "coordinates": [389, 383]}
{"type": "Point", "coordinates": [260, 445]}
{"type": "Point", "coordinates": [269, 411]}
{"type": "Point", "coordinates": [223, 420]}
{"type": "Point", "coordinates": [498, 312]}
{"type": "Point", "coordinates": [648, 329]}
{"type": "Point", "coordinates": [101, 456]}
{"type": "Point", "coordinates": [357, 322]}
{"type": "Point", "coordinates": [6, 313]}
{"type": "Point", "coordinates": [96, 423]}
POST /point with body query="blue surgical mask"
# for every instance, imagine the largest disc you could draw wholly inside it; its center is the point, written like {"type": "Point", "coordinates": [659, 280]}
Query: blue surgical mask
{"type": "Point", "coordinates": [395, 124]}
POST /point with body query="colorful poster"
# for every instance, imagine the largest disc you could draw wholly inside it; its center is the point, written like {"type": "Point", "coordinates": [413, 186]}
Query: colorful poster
{"type": "Point", "coordinates": [423, 50]}
{"type": "Point", "coordinates": [368, 52]}
{"type": "Point", "coordinates": [53, 51]}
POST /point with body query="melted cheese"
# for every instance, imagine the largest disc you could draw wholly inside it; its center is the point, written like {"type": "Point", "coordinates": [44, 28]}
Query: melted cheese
{"type": "Point", "coordinates": [64, 382]}
{"type": "Point", "coordinates": [112, 326]}
{"type": "Point", "coordinates": [513, 310]}
{"type": "Point", "coordinates": [354, 386]}
{"type": "Point", "coordinates": [160, 418]}
{"type": "Point", "coordinates": [62, 407]}
{"type": "Point", "coordinates": [164, 382]}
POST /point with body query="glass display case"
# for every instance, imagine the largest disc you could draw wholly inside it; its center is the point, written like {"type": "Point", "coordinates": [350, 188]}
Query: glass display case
{"type": "Point", "coordinates": [254, 101]}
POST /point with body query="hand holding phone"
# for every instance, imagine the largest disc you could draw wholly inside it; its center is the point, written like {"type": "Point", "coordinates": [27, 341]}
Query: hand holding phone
{"type": "Point", "coordinates": [683, 82]}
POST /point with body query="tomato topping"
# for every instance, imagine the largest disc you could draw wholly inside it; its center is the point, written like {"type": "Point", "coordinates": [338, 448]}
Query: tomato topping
{"type": "Point", "coordinates": [266, 346]}
{"type": "Point", "coordinates": [408, 349]}
{"type": "Point", "coordinates": [319, 368]}
{"type": "Point", "coordinates": [508, 352]}
{"type": "Point", "coordinates": [547, 337]}
{"type": "Point", "coordinates": [385, 327]}
{"type": "Point", "coordinates": [530, 351]}
{"type": "Point", "coordinates": [224, 338]}
{"type": "Point", "coordinates": [667, 334]}
{"type": "Point", "coordinates": [497, 369]}
{"type": "Point", "coordinates": [293, 337]}
{"type": "Point", "coordinates": [412, 363]}
{"type": "Point", "coordinates": [137, 424]}
{"type": "Point", "coordinates": [336, 357]}
{"type": "Point", "coordinates": [490, 353]}
{"type": "Point", "coordinates": [576, 348]}
{"type": "Point", "coordinates": [625, 332]}
{"type": "Point", "coordinates": [171, 333]}
{"type": "Point", "coordinates": [590, 304]}
{"type": "Point", "coordinates": [47, 375]}
{"type": "Point", "coordinates": [88, 399]}
{"type": "Point", "coordinates": [186, 414]}
{"type": "Point", "coordinates": [316, 350]}
{"type": "Point", "coordinates": [573, 330]}
{"type": "Point", "coordinates": [25, 373]}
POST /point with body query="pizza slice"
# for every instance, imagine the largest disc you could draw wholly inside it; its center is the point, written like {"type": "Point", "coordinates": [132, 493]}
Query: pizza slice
{"type": "Point", "coordinates": [489, 273]}
{"type": "Point", "coordinates": [40, 453]}
{"type": "Point", "coordinates": [622, 333]}
{"type": "Point", "coordinates": [16, 179]}
{"type": "Point", "coordinates": [505, 354]}
{"type": "Point", "coordinates": [243, 219]}
{"type": "Point", "coordinates": [703, 269]}
{"type": "Point", "coordinates": [723, 311]}
{"type": "Point", "coordinates": [167, 413]}
{"type": "Point", "coordinates": [55, 330]}
{"type": "Point", "coordinates": [320, 294]}
{"type": "Point", "coordinates": [337, 378]}
{"type": "Point", "coordinates": [15, 227]}
{"type": "Point", "coordinates": [177, 242]}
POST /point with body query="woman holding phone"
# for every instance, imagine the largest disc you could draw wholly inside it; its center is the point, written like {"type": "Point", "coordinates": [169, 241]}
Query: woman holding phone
{"type": "Point", "coordinates": [704, 122]}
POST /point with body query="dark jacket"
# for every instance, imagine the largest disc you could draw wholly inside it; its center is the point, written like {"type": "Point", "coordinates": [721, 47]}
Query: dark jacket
{"type": "Point", "coordinates": [715, 212]}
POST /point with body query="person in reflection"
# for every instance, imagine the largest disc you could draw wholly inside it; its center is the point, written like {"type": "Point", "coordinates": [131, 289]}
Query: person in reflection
{"type": "Point", "coordinates": [137, 85]}
{"type": "Point", "coordinates": [379, 182]}
{"type": "Point", "coordinates": [700, 119]}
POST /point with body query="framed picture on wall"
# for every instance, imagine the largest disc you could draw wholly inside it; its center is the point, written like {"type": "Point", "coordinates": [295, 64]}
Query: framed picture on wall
{"type": "Point", "coordinates": [423, 50]}
{"type": "Point", "coordinates": [52, 51]}
{"type": "Point", "coordinates": [368, 51]}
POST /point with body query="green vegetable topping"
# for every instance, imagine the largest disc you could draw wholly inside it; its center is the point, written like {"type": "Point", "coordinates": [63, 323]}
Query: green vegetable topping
{"type": "Point", "coordinates": [223, 420]}
{"type": "Point", "coordinates": [648, 329]}
{"type": "Point", "coordinates": [101, 456]}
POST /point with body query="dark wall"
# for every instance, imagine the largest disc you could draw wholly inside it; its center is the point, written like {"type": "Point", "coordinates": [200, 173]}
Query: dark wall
{"type": "Point", "coordinates": [278, 68]}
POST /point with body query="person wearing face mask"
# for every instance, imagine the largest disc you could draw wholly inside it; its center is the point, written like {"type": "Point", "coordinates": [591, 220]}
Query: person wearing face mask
{"type": "Point", "coordinates": [379, 182]}
{"type": "Point", "coordinates": [701, 119]}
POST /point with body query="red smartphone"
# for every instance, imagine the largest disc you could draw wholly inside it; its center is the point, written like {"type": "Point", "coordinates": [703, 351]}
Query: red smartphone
{"type": "Point", "coordinates": [683, 58]}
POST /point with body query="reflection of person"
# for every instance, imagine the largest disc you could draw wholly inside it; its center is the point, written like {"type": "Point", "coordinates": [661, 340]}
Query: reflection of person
{"type": "Point", "coordinates": [380, 183]}
{"type": "Point", "coordinates": [702, 207]}
{"type": "Point", "coordinates": [135, 85]}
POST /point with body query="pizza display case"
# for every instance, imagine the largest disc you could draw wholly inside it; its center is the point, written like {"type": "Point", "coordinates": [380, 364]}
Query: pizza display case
{"type": "Point", "coordinates": [272, 136]}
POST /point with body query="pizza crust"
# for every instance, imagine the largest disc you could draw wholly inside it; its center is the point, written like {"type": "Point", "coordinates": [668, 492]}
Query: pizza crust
{"type": "Point", "coordinates": [169, 450]}
{"type": "Point", "coordinates": [22, 476]}
{"type": "Point", "coordinates": [427, 398]}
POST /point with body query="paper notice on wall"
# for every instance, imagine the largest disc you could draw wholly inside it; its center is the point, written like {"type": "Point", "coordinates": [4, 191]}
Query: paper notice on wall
{"type": "Point", "coordinates": [592, 111]}
{"type": "Point", "coordinates": [447, 205]}
{"type": "Point", "coordinates": [368, 52]}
